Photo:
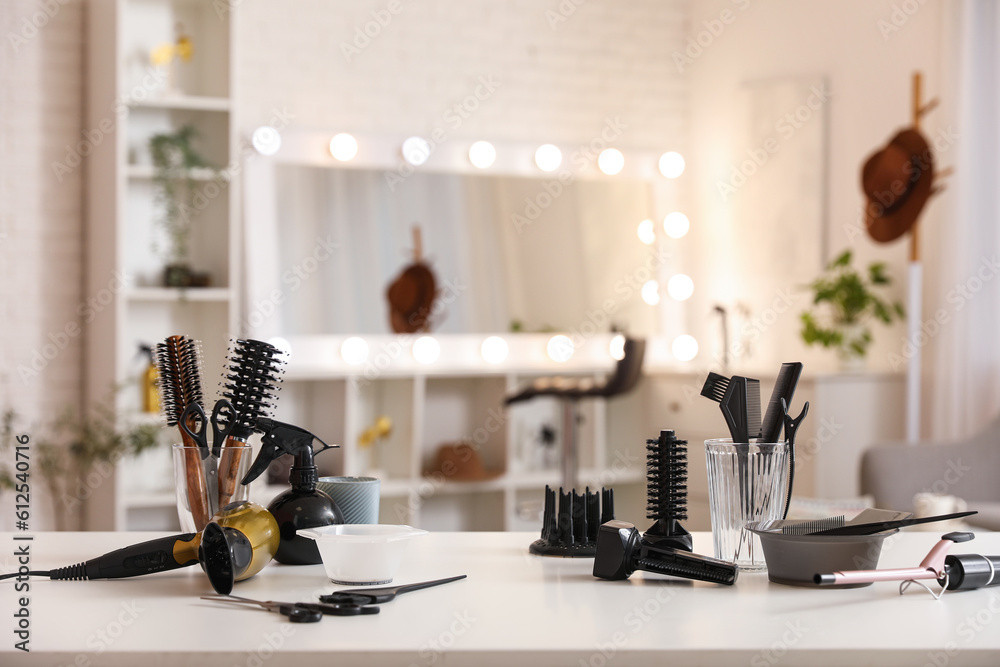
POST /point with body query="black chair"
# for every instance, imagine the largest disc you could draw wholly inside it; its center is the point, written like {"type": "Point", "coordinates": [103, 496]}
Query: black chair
{"type": "Point", "coordinates": [570, 390]}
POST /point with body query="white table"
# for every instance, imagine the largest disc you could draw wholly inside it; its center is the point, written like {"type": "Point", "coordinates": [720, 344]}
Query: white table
{"type": "Point", "coordinates": [514, 609]}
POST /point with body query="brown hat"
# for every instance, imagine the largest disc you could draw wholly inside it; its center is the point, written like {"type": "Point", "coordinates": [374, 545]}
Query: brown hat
{"type": "Point", "coordinates": [897, 181]}
{"type": "Point", "coordinates": [460, 462]}
{"type": "Point", "coordinates": [411, 298]}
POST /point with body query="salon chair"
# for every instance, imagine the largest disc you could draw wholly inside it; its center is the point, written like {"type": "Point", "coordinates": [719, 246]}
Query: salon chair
{"type": "Point", "coordinates": [570, 390]}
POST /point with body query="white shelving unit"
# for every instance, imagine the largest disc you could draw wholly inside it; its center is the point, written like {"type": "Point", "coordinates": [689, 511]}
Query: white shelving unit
{"type": "Point", "coordinates": [458, 398]}
{"type": "Point", "coordinates": [129, 100]}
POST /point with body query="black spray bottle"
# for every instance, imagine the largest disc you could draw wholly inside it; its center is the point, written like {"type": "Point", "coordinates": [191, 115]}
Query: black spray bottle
{"type": "Point", "coordinates": [303, 505]}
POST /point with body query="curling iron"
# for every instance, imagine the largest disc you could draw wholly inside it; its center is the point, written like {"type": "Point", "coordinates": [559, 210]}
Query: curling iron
{"type": "Point", "coordinates": [954, 572]}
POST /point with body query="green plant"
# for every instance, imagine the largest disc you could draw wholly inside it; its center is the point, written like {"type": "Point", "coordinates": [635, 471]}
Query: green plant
{"type": "Point", "coordinates": [72, 447]}
{"type": "Point", "coordinates": [845, 302]}
{"type": "Point", "coordinates": [174, 158]}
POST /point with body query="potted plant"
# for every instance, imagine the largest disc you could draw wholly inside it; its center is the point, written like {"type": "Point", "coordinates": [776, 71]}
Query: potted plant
{"type": "Point", "coordinates": [174, 159]}
{"type": "Point", "coordinates": [845, 301]}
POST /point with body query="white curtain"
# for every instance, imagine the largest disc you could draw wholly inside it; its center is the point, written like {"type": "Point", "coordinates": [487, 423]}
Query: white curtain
{"type": "Point", "coordinates": [962, 247]}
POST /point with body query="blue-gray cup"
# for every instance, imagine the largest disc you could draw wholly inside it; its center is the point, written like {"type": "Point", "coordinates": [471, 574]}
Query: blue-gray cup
{"type": "Point", "coordinates": [357, 497]}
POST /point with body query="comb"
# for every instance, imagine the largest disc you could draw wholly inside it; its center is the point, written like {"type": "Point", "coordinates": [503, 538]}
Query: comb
{"type": "Point", "coordinates": [253, 373]}
{"type": "Point", "coordinates": [715, 387]}
{"type": "Point", "coordinates": [178, 362]}
{"type": "Point", "coordinates": [810, 527]}
{"type": "Point", "coordinates": [666, 491]}
{"type": "Point", "coordinates": [741, 408]}
{"type": "Point", "coordinates": [784, 388]}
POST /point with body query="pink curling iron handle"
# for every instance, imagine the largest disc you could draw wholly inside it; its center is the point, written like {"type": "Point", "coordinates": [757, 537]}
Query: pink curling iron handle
{"type": "Point", "coordinates": [969, 570]}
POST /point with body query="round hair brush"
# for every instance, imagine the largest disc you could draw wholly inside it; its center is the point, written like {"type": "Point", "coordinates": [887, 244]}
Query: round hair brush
{"type": "Point", "coordinates": [666, 491]}
{"type": "Point", "coordinates": [253, 372]}
{"type": "Point", "coordinates": [178, 362]}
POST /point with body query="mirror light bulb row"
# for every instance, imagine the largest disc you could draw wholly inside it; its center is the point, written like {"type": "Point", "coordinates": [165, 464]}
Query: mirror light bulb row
{"type": "Point", "coordinates": [416, 150]}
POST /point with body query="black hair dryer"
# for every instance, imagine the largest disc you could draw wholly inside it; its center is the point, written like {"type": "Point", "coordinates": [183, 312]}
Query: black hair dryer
{"type": "Point", "coordinates": [303, 505]}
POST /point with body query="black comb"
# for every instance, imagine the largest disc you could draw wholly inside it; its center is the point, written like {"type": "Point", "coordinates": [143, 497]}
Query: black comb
{"type": "Point", "coordinates": [572, 531]}
{"type": "Point", "coordinates": [784, 388]}
{"type": "Point", "coordinates": [741, 408]}
{"type": "Point", "coordinates": [178, 362]}
{"type": "Point", "coordinates": [253, 373]}
{"type": "Point", "coordinates": [620, 552]}
{"type": "Point", "coordinates": [666, 491]}
{"type": "Point", "coordinates": [715, 387]}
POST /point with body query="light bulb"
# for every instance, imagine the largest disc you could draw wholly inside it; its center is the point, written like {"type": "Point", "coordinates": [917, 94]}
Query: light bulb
{"type": "Point", "coordinates": [651, 292]}
{"type": "Point", "coordinates": [354, 351]}
{"type": "Point", "coordinates": [680, 287]}
{"type": "Point", "coordinates": [494, 350]}
{"type": "Point", "coordinates": [617, 347]}
{"type": "Point", "coordinates": [676, 225]}
{"type": "Point", "coordinates": [416, 150]}
{"type": "Point", "coordinates": [426, 349]}
{"type": "Point", "coordinates": [343, 147]}
{"type": "Point", "coordinates": [671, 164]}
{"type": "Point", "coordinates": [611, 161]}
{"type": "Point", "coordinates": [647, 233]}
{"type": "Point", "coordinates": [482, 154]}
{"type": "Point", "coordinates": [548, 157]}
{"type": "Point", "coordinates": [560, 348]}
{"type": "Point", "coordinates": [685, 347]}
{"type": "Point", "coordinates": [266, 140]}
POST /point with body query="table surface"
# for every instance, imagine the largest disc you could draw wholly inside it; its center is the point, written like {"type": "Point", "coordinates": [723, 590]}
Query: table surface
{"type": "Point", "coordinates": [514, 608]}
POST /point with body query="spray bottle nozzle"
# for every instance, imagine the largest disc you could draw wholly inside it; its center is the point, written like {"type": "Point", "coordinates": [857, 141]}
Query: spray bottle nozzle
{"type": "Point", "coordinates": [280, 438]}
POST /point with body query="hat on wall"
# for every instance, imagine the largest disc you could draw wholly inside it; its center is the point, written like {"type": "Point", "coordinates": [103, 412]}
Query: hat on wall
{"type": "Point", "coordinates": [897, 181]}
{"type": "Point", "coordinates": [411, 295]}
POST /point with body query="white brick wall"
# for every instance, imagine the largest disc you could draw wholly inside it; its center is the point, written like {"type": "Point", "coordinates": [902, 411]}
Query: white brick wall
{"type": "Point", "coordinates": [557, 84]}
{"type": "Point", "coordinates": [41, 227]}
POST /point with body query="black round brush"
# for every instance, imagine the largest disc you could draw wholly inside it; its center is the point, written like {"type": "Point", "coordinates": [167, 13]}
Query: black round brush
{"type": "Point", "coordinates": [178, 362]}
{"type": "Point", "coordinates": [666, 491]}
{"type": "Point", "coordinates": [253, 373]}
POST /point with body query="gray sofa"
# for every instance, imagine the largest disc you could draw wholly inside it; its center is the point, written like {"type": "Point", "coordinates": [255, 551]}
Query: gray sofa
{"type": "Point", "coordinates": [970, 469]}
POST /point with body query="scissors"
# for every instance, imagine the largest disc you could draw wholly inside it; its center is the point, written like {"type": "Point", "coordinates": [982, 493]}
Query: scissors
{"type": "Point", "coordinates": [224, 420]}
{"type": "Point", "coordinates": [195, 414]}
{"type": "Point", "coordinates": [367, 596]}
{"type": "Point", "coordinates": [299, 612]}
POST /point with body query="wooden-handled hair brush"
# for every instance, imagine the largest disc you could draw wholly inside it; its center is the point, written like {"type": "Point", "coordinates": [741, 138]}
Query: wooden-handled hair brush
{"type": "Point", "coordinates": [178, 361]}
{"type": "Point", "coordinates": [250, 382]}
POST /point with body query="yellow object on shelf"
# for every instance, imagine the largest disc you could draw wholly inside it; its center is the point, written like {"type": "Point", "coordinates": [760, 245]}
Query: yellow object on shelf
{"type": "Point", "coordinates": [381, 428]}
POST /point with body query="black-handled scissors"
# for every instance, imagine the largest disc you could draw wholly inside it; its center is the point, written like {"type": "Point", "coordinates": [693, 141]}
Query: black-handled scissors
{"type": "Point", "coordinates": [364, 596]}
{"type": "Point", "coordinates": [299, 612]}
{"type": "Point", "coordinates": [224, 420]}
{"type": "Point", "coordinates": [195, 413]}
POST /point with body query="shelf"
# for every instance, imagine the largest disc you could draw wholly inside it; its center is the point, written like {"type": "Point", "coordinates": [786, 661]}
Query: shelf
{"type": "Point", "coordinates": [179, 294]}
{"type": "Point", "coordinates": [148, 500]}
{"type": "Point", "coordinates": [147, 172]}
{"type": "Point", "coordinates": [186, 102]}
